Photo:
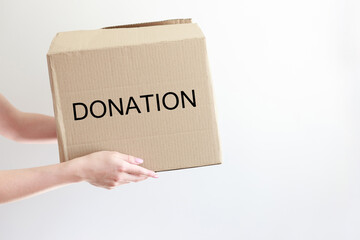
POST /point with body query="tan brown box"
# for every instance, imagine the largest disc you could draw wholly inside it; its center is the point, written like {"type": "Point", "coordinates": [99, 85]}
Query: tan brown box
{"type": "Point", "coordinates": [140, 89]}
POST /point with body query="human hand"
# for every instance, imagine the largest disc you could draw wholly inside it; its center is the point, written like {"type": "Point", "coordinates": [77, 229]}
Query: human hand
{"type": "Point", "coordinates": [109, 169]}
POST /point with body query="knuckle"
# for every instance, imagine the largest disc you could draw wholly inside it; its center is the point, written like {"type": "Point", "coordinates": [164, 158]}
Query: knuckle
{"type": "Point", "coordinates": [124, 167]}
{"type": "Point", "coordinates": [117, 179]}
{"type": "Point", "coordinates": [121, 167]}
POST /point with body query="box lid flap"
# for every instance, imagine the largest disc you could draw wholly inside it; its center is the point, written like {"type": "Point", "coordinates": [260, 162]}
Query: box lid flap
{"type": "Point", "coordinates": [149, 24]}
{"type": "Point", "coordinates": [125, 35]}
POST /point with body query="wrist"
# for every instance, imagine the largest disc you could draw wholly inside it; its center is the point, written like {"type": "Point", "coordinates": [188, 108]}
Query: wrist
{"type": "Point", "coordinates": [75, 170]}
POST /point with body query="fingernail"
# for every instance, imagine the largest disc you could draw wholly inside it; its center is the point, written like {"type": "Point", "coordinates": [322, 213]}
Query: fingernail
{"type": "Point", "coordinates": [139, 160]}
{"type": "Point", "coordinates": [156, 176]}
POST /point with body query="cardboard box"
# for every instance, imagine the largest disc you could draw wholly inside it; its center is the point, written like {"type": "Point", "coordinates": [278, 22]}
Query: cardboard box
{"type": "Point", "coordinates": [140, 89]}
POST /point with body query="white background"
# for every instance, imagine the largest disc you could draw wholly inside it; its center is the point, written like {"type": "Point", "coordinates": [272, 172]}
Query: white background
{"type": "Point", "coordinates": [286, 80]}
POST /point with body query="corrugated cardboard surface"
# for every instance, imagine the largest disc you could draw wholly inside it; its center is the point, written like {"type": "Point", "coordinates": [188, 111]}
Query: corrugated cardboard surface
{"type": "Point", "coordinates": [103, 64]}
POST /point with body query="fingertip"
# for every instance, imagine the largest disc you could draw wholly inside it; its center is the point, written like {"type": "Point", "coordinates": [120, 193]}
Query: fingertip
{"type": "Point", "coordinates": [154, 175]}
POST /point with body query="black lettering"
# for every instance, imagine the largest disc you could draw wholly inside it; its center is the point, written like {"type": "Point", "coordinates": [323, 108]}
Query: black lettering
{"type": "Point", "coordinates": [131, 99]}
{"type": "Point", "coordinates": [80, 110]}
{"type": "Point", "coordinates": [111, 103]}
{"type": "Point", "coordinates": [74, 109]}
{"type": "Point", "coordinates": [147, 101]}
{"type": "Point", "coordinates": [176, 99]}
{"type": "Point", "coordinates": [92, 112]}
{"type": "Point", "coordinates": [158, 102]}
{"type": "Point", "coordinates": [183, 95]}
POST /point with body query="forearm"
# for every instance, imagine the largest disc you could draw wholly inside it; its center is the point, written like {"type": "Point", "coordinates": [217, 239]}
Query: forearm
{"type": "Point", "coordinates": [21, 183]}
{"type": "Point", "coordinates": [25, 127]}
{"type": "Point", "coordinates": [35, 128]}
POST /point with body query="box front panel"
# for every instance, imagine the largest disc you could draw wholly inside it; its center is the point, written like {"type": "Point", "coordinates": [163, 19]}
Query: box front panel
{"type": "Point", "coordinates": [152, 101]}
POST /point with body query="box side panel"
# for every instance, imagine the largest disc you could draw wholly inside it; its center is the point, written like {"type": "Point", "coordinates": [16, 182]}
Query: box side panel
{"type": "Point", "coordinates": [60, 129]}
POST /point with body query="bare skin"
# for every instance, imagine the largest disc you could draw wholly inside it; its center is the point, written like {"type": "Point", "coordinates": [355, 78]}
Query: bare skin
{"type": "Point", "coordinates": [104, 169]}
